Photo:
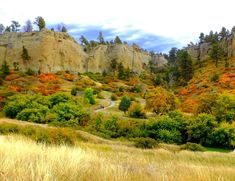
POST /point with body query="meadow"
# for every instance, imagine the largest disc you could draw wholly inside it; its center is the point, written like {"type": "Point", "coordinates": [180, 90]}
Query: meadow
{"type": "Point", "coordinates": [24, 159]}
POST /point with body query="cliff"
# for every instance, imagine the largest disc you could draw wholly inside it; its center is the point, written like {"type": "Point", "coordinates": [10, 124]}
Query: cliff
{"type": "Point", "coordinates": [56, 51]}
{"type": "Point", "coordinates": [201, 51]}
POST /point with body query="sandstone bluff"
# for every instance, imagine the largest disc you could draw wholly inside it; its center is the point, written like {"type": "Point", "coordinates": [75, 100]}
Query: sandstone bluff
{"type": "Point", "coordinates": [56, 51]}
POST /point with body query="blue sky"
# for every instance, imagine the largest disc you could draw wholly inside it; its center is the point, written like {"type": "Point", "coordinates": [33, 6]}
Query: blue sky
{"type": "Point", "coordinates": [156, 25]}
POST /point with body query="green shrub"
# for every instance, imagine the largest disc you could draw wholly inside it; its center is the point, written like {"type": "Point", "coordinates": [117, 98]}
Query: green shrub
{"type": "Point", "coordinates": [166, 129]}
{"type": "Point", "coordinates": [145, 143]}
{"type": "Point", "coordinates": [114, 97]}
{"type": "Point", "coordinates": [136, 88]}
{"type": "Point", "coordinates": [224, 108]}
{"type": "Point", "coordinates": [192, 147]}
{"type": "Point", "coordinates": [33, 115]}
{"type": "Point", "coordinates": [74, 91]}
{"type": "Point", "coordinates": [136, 111]}
{"type": "Point", "coordinates": [89, 96]}
{"type": "Point", "coordinates": [69, 111]}
{"type": "Point", "coordinates": [200, 128]}
{"type": "Point", "coordinates": [15, 104]}
{"type": "Point", "coordinates": [59, 97]}
{"type": "Point", "coordinates": [30, 72]}
{"type": "Point", "coordinates": [214, 78]}
{"type": "Point", "coordinates": [223, 136]}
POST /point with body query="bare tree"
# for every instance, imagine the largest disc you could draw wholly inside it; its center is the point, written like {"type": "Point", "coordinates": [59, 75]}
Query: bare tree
{"type": "Point", "coordinates": [28, 27]}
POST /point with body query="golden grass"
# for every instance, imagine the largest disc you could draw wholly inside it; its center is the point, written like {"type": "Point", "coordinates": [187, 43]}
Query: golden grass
{"type": "Point", "coordinates": [22, 159]}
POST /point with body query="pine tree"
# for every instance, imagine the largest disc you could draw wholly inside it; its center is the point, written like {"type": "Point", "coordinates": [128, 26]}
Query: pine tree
{"type": "Point", "coordinates": [124, 104]}
{"type": "Point", "coordinates": [117, 40]}
{"type": "Point", "coordinates": [101, 38]}
{"type": "Point", "coordinates": [185, 65]}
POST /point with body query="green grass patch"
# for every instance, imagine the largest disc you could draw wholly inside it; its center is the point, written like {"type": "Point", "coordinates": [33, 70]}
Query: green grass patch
{"type": "Point", "coordinates": [222, 150]}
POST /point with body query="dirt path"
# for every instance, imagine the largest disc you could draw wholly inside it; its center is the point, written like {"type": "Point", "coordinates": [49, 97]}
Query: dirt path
{"type": "Point", "coordinates": [112, 104]}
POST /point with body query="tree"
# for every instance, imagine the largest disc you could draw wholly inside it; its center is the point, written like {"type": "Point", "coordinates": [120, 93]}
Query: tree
{"type": "Point", "coordinates": [89, 96]}
{"type": "Point", "coordinates": [28, 27]}
{"type": "Point", "coordinates": [185, 65]}
{"type": "Point", "coordinates": [224, 33]}
{"type": "Point", "coordinates": [64, 29]}
{"type": "Point", "coordinates": [2, 28]}
{"type": "Point", "coordinates": [5, 70]}
{"type": "Point", "coordinates": [121, 71]}
{"type": "Point", "coordinates": [201, 38]}
{"type": "Point", "coordinates": [40, 22]}
{"type": "Point", "coordinates": [61, 27]}
{"type": "Point", "coordinates": [216, 53]}
{"type": "Point", "coordinates": [224, 107]}
{"type": "Point", "coordinates": [160, 101]}
{"type": "Point", "coordinates": [124, 104]}
{"type": "Point", "coordinates": [15, 26]}
{"type": "Point", "coordinates": [223, 136]}
{"type": "Point", "coordinates": [101, 38]}
{"type": "Point", "coordinates": [8, 29]}
{"type": "Point", "coordinates": [200, 128]}
{"type": "Point", "coordinates": [173, 55]}
{"type": "Point", "coordinates": [25, 54]}
{"type": "Point", "coordinates": [117, 40]}
{"type": "Point", "coordinates": [84, 41]}
{"type": "Point", "coordinates": [113, 64]}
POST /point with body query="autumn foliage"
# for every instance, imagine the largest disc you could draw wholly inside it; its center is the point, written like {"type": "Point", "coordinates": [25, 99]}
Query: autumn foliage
{"type": "Point", "coordinates": [161, 101]}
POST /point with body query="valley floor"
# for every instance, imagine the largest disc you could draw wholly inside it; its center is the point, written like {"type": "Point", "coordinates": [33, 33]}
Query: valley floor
{"type": "Point", "coordinates": [23, 159]}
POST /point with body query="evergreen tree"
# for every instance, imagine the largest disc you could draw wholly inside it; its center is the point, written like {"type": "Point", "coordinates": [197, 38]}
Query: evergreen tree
{"type": "Point", "coordinates": [201, 38]}
{"type": "Point", "coordinates": [117, 40]}
{"type": "Point", "coordinates": [84, 41]}
{"type": "Point", "coordinates": [64, 29]}
{"type": "Point", "coordinates": [15, 26]}
{"type": "Point", "coordinates": [40, 22]}
{"type": "Point", "coordinates": [124, 104]}
{"type": "Point", "coordinates": [185, 65]}
{"type": "Point", "coordinates": [121, 71]}
{"type": "Point", "coordinates": [101, 38]}
{"type": "Point", "coordinates": [173, 55]}
{"type": "Point", "coordinates": [5, 70]}
{"type": "Point", "coordinates": [216, 53]}
{"type": "Point", "coordinates": [114, 64]}
{"type": "Point", "coordinates": [25, 54]}
{"type": "Point", "coordinates": [2, 28]}
{"type": "Point", "coordinates": [8, 29]}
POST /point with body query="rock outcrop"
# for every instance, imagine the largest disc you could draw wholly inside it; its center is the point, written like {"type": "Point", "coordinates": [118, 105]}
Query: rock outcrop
{"type": "Point", "coordinates": [51, 51]}
{"type": "Point", "coordinates": [200, 52]}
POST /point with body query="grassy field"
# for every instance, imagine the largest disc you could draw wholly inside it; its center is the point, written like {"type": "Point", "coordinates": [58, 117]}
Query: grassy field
{"type": "Point", "coordinates": [23, 159]}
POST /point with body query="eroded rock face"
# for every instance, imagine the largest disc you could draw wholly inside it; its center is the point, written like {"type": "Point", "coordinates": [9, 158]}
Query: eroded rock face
{"type": "Point", "coordinates": [201, 52]}
{"type": "Point", "coordinates": [55, 51]}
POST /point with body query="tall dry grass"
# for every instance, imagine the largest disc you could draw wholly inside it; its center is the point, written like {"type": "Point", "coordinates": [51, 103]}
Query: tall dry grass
{"type": "Point", "coordinates": [23, 159]}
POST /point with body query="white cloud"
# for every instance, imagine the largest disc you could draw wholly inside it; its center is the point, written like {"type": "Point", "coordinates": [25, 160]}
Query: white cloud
{"type": "Point", "coordinates": [181, 20]}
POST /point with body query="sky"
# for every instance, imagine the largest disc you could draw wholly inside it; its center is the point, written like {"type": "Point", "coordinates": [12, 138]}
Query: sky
{"type": "Point", "coordinates": [156, 25]}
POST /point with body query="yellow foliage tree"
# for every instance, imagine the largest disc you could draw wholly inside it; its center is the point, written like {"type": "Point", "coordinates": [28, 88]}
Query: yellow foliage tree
{"type": "Point", "coordinates": [161, 101]}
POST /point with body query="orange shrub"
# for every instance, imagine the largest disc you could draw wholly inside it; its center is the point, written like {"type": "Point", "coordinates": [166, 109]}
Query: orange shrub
{"type": "Point", "coordinates": [48, 77]}
{"type": "Point", "coordinates": [15, 88]}
{"type": "Point", "coordinates": [69, 77]}
{"type": "Point", "coordinates": [189, 105]}
{"type": "Point", "coordinates": [12, 77]}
